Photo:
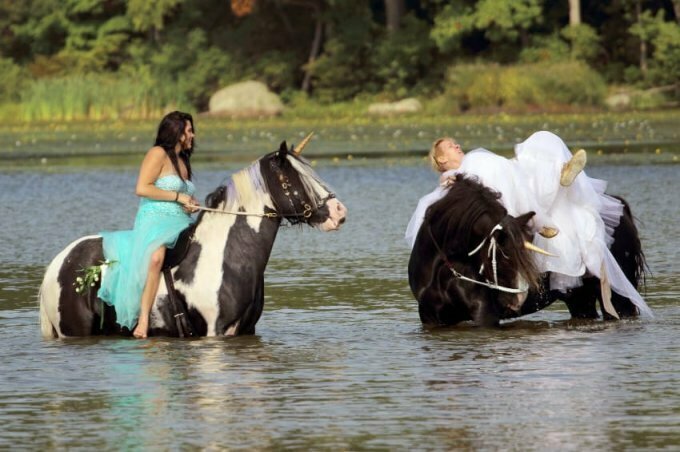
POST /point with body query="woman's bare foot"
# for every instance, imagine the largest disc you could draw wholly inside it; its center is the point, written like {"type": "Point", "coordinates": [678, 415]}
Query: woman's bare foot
{"type": "Point", "coordinates": [142, 329]}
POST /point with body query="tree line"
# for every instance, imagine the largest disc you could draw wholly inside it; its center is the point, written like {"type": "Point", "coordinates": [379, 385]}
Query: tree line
{"type": "Point", "coordinates": [332, 50]}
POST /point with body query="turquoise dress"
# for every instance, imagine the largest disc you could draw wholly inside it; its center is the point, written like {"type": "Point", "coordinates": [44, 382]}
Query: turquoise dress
{"type": "Point", "coordinates": [157, 223]}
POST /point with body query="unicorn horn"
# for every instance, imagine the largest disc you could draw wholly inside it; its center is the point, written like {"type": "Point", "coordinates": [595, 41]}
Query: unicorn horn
{"type": "Point", "coordinates": [298, 149]}
{"type": "Point", "coordinates": [531, 247]}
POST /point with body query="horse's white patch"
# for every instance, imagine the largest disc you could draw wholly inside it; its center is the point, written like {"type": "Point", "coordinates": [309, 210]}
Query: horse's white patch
{"type": "Point", "coordinates": [50, 291]}
{"type": "Point", "coordinates": [233, 329]}
{"type": "Point", "coordinates": [155, 318]}
{"type": "Point", "coordinates": [246, 192]}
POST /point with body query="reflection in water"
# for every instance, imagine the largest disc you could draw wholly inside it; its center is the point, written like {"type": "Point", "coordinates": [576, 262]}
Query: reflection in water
{"type": "Point", "coordinates": [340, 359]}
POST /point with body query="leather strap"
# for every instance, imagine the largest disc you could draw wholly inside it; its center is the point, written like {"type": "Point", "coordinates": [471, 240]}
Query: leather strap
{"type": "Point", "coordinates": [177, 308]}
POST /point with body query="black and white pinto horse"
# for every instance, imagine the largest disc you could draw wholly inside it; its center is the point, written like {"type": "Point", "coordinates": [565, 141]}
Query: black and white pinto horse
{"type": "Point", "coordinates": [472, 261]}
{"type": "Point", "coordinates": [220, 280]}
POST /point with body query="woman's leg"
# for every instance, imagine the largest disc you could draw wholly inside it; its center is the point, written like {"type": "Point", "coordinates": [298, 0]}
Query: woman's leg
{"type": "Point", "coordinates": [153, 279]}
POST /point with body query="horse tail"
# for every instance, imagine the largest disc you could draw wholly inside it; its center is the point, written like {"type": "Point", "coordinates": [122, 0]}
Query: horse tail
{"type": "Point", "coordinates": [636, 267]}
{"type": "Point", "coordinates": [46, 327]}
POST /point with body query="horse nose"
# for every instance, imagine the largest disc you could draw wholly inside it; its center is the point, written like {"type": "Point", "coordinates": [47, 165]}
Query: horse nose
{"type": "Point", "coordinates": [342, 210]}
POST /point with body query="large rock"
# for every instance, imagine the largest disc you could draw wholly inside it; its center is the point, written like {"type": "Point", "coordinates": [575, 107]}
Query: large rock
{"type": "Point", "coordinates": [245, 99]}
{"type": "Point", "coordinates": [618, 101]}
{"type": "Point", "coordinates": [410, 105]}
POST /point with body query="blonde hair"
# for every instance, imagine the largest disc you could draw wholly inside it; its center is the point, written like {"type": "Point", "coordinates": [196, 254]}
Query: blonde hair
{"type": "Point", "coordinates": [432, 155]}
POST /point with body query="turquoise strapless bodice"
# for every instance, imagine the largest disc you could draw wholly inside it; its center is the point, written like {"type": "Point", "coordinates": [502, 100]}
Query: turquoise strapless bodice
{"type": "Point", "coordinates": [158, 223]}
{"type": "Point", "coordinates": [171, 182]}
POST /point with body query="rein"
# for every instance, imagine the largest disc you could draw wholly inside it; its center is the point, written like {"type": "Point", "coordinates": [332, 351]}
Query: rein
{"type": "Point", "coordinates": [493, 246]}
{"type": "Point", "coordinates": [231, 212]}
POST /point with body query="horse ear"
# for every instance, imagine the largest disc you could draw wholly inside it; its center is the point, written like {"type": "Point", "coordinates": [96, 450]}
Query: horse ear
{"type": "Point", "coordinates": [283, 150]}
{"type": "Point", "coordinates": [524, 218]}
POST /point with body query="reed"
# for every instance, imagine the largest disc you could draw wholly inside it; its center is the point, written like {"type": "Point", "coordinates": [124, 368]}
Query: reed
{"type": "Point", "coordinates": [97, 97]}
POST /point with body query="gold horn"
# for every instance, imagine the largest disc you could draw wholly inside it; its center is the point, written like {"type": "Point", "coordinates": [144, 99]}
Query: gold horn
{"type": "Point", "coordinates": [531, 247]}
{"type": "Point", "coordinates": [298, 149]}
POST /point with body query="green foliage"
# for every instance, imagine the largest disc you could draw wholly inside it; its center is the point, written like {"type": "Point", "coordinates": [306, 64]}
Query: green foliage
{"type": "Point", "coordinates": [14, 80]}
{"type": "Point", "coordinates": [584, 41]}
{"type": "Point", "coordinates": [515, 87]}
{"type": "Point", "coordinates": [499, 20]}
{"type": "Point", "coordinates": [665, 66]}
{"type": "Point", "coordinates": [343, 70]}
{"type": "Point", "coordinates": [651, 99]}
{"type": "Point", "coordinates": [195, 68]}
{"type": "Point", "coordinates": [402, 58]}
{"type": "Point", "coordinates": [43, 35]}
{"type": "Point", "coordinates": [277, 69]}
{"type": "Point", "coordinates": [503, 19]}
{"type": "Point", "coordinates": [450, 24]}
{"type": "Point", "coordinates": [181, 51]}
{"type": "Point", "coordinates": [545, 49]}
{"type": "Point", "coordinates": [150, 14]}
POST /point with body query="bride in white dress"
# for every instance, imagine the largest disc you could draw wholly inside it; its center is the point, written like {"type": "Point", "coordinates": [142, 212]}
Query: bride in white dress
{"type": "Point", "coordinates": [574, 218]}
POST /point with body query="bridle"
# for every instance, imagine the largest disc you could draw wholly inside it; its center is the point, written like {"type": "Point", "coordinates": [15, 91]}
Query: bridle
{"type": "Point", "coordinates": [293, 195]}
{"type": "Point", "coordinates": [491, 252]}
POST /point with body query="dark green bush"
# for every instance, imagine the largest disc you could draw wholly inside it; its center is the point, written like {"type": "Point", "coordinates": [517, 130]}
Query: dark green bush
{"type": "Point", "coordinates": [14, 80]}
{"type": "Point", "coordinates": [403, 57]}
{"type": "Point", "coordinates": [528, 85]}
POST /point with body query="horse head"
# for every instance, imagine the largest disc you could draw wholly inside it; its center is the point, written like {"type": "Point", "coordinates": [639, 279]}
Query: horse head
{"type": "Point", "coordinates": [298, 193]}
{"type": "Point", "coordinates": [470, 260]}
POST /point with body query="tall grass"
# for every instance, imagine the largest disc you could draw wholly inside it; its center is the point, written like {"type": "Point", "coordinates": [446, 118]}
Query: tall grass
{"type": "Point", "coordinates": [97, 97]}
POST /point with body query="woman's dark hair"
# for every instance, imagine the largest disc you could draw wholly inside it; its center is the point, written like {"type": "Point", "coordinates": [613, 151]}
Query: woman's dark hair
{"type": "Point", "coordinates": [170, 131]}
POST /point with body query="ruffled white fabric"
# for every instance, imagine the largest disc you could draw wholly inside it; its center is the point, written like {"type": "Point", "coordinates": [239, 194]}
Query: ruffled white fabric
{"type": "Point", "coordinates": [498, 173]}
{"type": "Point", "coordinates": [583, 214]}
{"type": "Point", "coordinates": [419, 214]}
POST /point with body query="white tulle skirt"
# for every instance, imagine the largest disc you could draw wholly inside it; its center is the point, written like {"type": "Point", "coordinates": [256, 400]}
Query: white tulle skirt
{"type": "Point", "coordinates": [585, 216]}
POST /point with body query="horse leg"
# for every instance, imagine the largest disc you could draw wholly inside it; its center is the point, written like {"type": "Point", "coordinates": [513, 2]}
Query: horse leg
{"type": "Point", "coordinates": [484, 306]}
{"type": "Point", "coordinates": [436, 309]}
{"type": "Point", "coordinates": [582, 301]}
{"type": "Point", "coordinates": [537, 299]}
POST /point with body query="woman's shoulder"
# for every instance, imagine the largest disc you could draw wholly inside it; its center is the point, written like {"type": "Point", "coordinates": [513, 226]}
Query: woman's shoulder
{"type": "Point", "coordinates": [156, 152]}
{"type": "Point", "coordinates": [155, 155]}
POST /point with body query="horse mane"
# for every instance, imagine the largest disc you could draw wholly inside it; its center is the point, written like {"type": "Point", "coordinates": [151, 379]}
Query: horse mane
{"type": "Point", "coordinates": [246, 190]}
{"type": "Point", "coordinates": [317, 191]}
{"type": "Point", "coordinates": [455, 223]}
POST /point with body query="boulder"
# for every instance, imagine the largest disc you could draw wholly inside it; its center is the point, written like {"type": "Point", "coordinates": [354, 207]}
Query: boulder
{"type": "Point", "coordinates": [248, 98]}
{"type": "Point", "coordinates": [618, 100]}
{"type": "Point", "coordinates": [409, 105]}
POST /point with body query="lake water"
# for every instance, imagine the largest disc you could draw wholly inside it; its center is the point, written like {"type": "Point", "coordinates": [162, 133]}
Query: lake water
{"type": "Point", "coordinates": [340, 359]}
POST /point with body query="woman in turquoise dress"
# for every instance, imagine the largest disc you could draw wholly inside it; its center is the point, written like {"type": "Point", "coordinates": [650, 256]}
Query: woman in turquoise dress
{"type": "Point", "coordinates": [131, 279]}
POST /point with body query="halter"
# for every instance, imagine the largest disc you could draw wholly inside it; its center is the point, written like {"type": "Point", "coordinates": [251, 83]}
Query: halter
{"type": "Point", "coordinates": [493, 246]}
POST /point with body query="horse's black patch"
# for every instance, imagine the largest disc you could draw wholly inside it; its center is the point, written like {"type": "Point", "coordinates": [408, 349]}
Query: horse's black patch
{"type": "Point", "coordinates": [77, 311]}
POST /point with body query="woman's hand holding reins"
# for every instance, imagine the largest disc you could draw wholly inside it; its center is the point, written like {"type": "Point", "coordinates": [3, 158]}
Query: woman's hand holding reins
{"type": "Point", "coordinates": [446, 181]}
{"type": "Point", "coordinates": [188, 202]}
